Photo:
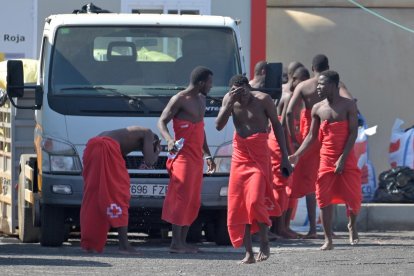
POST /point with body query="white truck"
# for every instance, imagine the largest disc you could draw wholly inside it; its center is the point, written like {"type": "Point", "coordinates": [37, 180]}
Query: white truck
{"type": "Point", "coordinates": [100, 72]}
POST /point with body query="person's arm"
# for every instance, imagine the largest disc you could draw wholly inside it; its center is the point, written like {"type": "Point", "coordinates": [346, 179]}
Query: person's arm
{"type": "Point", "coordinates": [285, 125]}
{"type": "Point", "coordinates": [344, 92]}
{"type": "Point", "coordinates": [353, 133]}
{"type": "Point", "coordinates": [207, 155]}
{"type": "Point", "coordinates": [310, 138]}
{"type": "Point", "coordinates": [167, 114]}
{"type": "Point", "coordinates": [271, 113]}
{"type": "Point", "coordinates": [226, 108]}
{"type": "Point", "coordinates": [290, 114]}
{"type": "Point", "coordinates": [149, 149]}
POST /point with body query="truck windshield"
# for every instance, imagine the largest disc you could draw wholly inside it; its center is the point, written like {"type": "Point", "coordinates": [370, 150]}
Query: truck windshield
{"type": "Point", "coordinates": [140, 61]}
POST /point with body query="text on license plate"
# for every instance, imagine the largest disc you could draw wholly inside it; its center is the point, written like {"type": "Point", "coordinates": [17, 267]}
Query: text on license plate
{"type": "Point", "coordinates": [148, 189]}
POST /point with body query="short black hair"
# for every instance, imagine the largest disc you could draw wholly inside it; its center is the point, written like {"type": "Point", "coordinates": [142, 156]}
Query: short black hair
{"type": "Point", "coordinates": [238, 80]}
{"type": "Point", "coordinates": [292, 67]}
{"type": "Point", "coordinates": [200, 73]}
{"type": "Point", "coordinates": [320, 63]}
{"type": "Point", "coordinates": [332, 76]}
{"type": "Point", "coordinates": [302, 73]}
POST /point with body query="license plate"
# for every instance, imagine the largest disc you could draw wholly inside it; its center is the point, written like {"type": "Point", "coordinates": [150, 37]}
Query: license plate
{"type": "Point", "coordinates": [148, 190]}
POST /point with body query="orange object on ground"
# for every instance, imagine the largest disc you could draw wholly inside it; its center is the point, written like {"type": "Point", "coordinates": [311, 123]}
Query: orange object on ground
{"type": "Point", "coordinates": [332, 188]}
{"type": "Point", "coordinates": [183, 199]}
{"type": "Point", "coordinates": [279, 181]}
{"type": "Point", "coordinates": [250, 196]}
{"type": "Point", "coordinates": [106, 192]}
{"type": "Point", "coordinates": [305, 172]}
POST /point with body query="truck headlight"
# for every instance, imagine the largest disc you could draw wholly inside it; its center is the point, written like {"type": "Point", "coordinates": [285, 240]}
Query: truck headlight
{"type": "Point", "coordinates": [222, 157]}
{"type": "Point", "coordinates": [59, 157]}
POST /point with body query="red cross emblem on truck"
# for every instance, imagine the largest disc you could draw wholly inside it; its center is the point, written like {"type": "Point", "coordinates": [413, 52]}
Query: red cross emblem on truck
{"type": "Point", "coordinates": [114, 211]}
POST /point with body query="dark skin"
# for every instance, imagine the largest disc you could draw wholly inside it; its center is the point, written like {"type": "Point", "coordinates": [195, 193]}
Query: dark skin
{"type": "Point", "coordinates": [334, 108]}
{"type": "Point", "coordinates": [189, 105]}
{"type": "Point", "coordinates": [251, 112]}
{"type": "Point", "coordinates": [306, 92]}
{"type": "Point", "coordinates": [134, 138]}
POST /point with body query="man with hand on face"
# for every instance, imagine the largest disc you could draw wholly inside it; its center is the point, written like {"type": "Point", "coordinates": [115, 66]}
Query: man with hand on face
{"type": "Point", "coordinates": [250, 196]}
{"type": "Point", "coordinates": [183, 199]}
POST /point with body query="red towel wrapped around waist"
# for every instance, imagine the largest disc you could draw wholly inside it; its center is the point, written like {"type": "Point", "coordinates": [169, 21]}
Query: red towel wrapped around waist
{"type": "Point", "coordinates": [279, 181]}
{"type": "Point", "coordinates": [106, 192]}
{"type": "Point", "coordinates": [334, 188]}
{"type": "Point", "coordinates": [183, 199]}
{"type": "Point", "coordinates": [306, 170]}
{"type": "Point", "coordinates": [250, 196]}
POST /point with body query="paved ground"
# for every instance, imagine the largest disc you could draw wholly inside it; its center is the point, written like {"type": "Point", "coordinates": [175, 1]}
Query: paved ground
{"type": "Point", "coordinates": [386, 253]}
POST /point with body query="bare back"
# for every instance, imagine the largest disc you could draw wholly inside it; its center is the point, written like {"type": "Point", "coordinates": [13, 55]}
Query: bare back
{"type": "Point", "coordinates": [252, 117]}
{"type": "Point", "coordinates": [308, 92]}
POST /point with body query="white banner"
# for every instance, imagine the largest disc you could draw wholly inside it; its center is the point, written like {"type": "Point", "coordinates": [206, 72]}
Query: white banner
{"type": "Point", "coordinates": [18, 31]}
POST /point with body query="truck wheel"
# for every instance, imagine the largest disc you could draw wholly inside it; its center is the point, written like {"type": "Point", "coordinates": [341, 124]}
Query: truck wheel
{"type": "Point", "coordinates": [221, 233]}
{"type": "Point", "coordinates": [27, 232]}
{"type": "Point", "coordinates": [52, 228]}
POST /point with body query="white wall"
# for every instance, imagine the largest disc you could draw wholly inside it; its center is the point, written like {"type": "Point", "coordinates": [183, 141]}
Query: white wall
{"type": "Point", "coordinates": [372, 57]}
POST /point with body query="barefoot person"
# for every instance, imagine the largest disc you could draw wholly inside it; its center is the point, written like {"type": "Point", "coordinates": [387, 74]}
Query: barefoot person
{"type": "Point", "coordinates": [183, 199]}
{"type": "Point", "coordinates": [106, 190]}
{"type": "Point", "coordinates": [335, 121]}
{"type": "Point", "coordinates": [250, 197]}
{"type": "Point", "coordinates": [304, 178]}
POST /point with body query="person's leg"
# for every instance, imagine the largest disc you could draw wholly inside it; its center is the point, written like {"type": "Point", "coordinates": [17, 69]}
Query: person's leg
{"type": "Point", "coordinates": [176, 241]}
{"type": "Point", "coordinates": [247, 240]}
{"type": "Point", "coordinates": [190, 248]}
{"type": "Point", "coordinates": [264, 252]}
{"type": "Point", "coordinates": [353, 233]}
{"type": "Point", "coordinates": [311, 208]}
{"type": "Point", "coordinates": [326, 213]}
{"type": "Point", "coordinates": [124, 245]}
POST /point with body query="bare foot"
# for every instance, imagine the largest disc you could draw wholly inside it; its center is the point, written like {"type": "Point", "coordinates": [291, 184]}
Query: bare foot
{"type": "Point", "coordinates": [353, 235]}
{"type": "Point", "coordinates": [327, 246]}
{"type": "Point", "coordinates": [191, 248]}
{"type": "Point", "coordinates": [264, 252]}
{"type": "Point", "coordinates": [248, 259]}
{"type": "Point", "coordinates": [289, 235]}
{"type": "Point", "coordinates": [310, 236]}
{"type": "Point", "coordinates": [128, 250]}
{"type": "Point", "coordinates": [298, 236]}
{"type": "Point", "coordinates": [272, 236]}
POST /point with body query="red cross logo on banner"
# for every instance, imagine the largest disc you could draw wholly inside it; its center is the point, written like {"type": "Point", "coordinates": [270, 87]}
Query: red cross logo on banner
{"type": "Point", "coordinates": [114, 211]}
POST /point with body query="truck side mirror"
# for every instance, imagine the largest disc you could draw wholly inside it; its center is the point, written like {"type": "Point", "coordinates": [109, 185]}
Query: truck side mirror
{"type": "Point", "coordinates": [273, 80]}
{"type": "Point", "coordinates": [15, 79]}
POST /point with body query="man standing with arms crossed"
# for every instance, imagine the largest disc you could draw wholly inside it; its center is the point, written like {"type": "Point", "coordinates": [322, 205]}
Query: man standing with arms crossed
{"type": "Point", "coordinates": [335, 122]}
{"type": "Point", "coordinates": [183, 199]}
{"type": "Point", "coordinates": [250, 196]}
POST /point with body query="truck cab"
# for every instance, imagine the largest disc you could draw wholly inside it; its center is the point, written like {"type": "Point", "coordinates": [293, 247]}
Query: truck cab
{"type": "Point", "coordinates": [106, 71]}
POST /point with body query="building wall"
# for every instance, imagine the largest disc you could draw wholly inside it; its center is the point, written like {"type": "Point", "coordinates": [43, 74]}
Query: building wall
{"type": "Point", "coordinates": [371, 56]}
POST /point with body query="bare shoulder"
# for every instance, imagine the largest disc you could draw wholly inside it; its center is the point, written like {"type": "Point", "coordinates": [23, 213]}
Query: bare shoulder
{"type": "Point", "coordinates": [349, 103]}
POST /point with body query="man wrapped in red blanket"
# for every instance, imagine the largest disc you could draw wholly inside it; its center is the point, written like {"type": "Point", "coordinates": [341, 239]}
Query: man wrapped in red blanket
{"type": "Point", "coordinates": [250, 197]}
{"type": "Point", "coordinates": [335, 122]}
{"type": "Point", "coordinates": [106, 190]}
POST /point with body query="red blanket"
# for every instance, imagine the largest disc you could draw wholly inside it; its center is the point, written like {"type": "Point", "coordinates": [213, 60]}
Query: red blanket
{"type": "Point", "coordinates": [334, 188]}
{"type": "Point", "coordinates": [183, 199]}
{"type": "Point", "coordinates": [306, 170]}
{"type": "Point", "coordinates": [250, 196]}
{"type": "Point", "coordinates": [279, 181]}
{"type": "Point", "coordinates": [106, 192]}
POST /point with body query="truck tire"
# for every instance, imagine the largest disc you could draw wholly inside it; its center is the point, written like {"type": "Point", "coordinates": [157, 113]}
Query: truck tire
{"type": "Point", "coordinates": [52, 228]}
{"type": "Point", "coordinates": [221, 232]}
{"type": "Point", "coordinates": [27, 232]}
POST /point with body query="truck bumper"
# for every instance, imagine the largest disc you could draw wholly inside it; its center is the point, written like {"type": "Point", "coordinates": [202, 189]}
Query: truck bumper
{"type": "Point", "coordinates": [210, 195]}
